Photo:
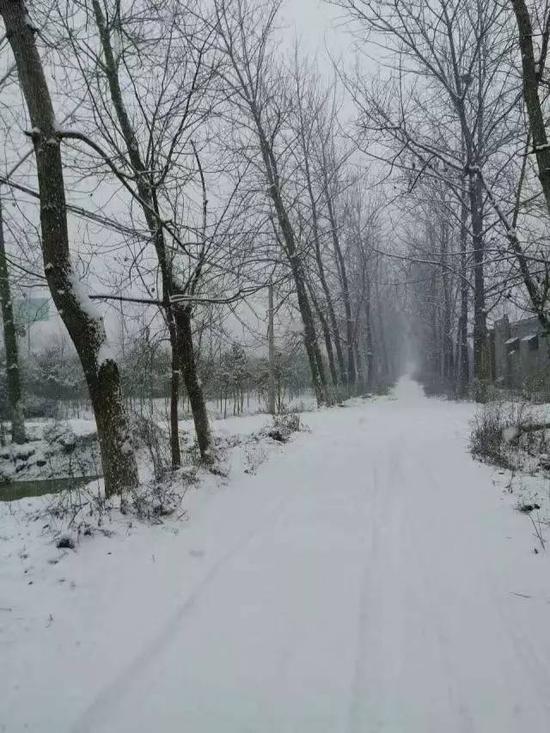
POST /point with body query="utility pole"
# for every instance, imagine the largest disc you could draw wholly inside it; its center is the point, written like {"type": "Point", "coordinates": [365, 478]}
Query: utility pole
{"type": "Point", "coordinates": [271, 343]}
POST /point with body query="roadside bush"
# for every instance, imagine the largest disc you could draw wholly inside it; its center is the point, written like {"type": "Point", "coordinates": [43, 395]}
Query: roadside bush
{"type": "Point", "coordinates": [145, 433]}
{"type": "Point", "coordinates": [156, 500]}
{"type": "Point", "coordinates": [84, 510]}
{"type": "Point", "coordinates": [284, 426]}
{"type": "Point", "coordinates": [434, 385]}
{"type": "Point", "coordinates": [494, 428]}
{"type": "Point", "coordinates": [383, 389]}
{"type": "Point", "coordinates": [481, 391]}
{"type": "Point", "coordinates": [536, 387]}
{"type": "Point", "coordinates": [290, 423]}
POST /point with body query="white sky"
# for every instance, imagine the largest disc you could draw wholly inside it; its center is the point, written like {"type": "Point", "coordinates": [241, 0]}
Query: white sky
{"type": "Point", "coordinates": [318, 25]}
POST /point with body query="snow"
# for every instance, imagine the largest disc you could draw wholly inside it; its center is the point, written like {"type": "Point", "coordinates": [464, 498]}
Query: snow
{"type": "Point", "coordinates": [369, 577]}
{"type": "Point", "coordinates": [53, 450]}
{"type": "Point", "coordinates": [106, 352]}
{"type": "Point", "coordinates": [510, 433]}
{"type": "Point", "coordinates": [84, 301]}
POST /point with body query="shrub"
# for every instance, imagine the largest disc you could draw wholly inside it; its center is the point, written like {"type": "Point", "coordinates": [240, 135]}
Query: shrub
{"type": "Point", "coordinates": [536, 387]}
{"type": "Point", "coordinates": [145, 433]}
{"type": "Point", "coordinates": [283, 427]}
{"type": "Point", "coordinates": [494, 427]}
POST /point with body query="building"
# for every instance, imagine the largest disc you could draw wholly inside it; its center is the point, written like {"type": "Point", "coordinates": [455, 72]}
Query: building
{"type": "Point", "coordinates": [520, 351]}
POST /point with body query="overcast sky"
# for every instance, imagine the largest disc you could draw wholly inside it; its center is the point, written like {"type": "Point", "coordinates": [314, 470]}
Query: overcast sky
{"type": "Point", "coordinates": [318, 25]}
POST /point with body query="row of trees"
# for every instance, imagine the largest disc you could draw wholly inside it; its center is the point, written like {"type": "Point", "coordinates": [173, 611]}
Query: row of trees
{"type": "Point", "coordinates": [459, 116]}
{"type": "Point", "coordinates": [186, 168]}
{"type": "Point", "coordinates": [194, 169]}
{"type": "Point", "coordinates": [54, 385]}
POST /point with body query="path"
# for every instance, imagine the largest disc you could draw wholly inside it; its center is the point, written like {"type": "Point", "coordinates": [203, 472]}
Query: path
{"type": "Point", "coordinates": [370, 579]}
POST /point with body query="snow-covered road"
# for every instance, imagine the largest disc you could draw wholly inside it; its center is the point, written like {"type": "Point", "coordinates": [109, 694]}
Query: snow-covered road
{"type": "Point", "coordinates": [371, 578]}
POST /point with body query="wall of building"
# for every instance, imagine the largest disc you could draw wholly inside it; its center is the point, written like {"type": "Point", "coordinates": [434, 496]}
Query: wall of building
{"type": "Point", "coordinates": [520, 351]}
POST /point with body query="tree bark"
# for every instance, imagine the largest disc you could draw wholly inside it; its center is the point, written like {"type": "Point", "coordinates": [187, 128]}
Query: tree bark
{"type": "Point", "coordinates": [175, 451]}
{"type": "Point", "coordinates": [370, 381]}
{"type": "Point", "coordinates": [322, 276]}
{"type": "Point", "coordinates": [447, 345]}
{"type": "Point", "coordinates": [84, 325]}
{"type": "Point", "coordinates": [13, 377]}
{"type": "Point", "coordinates": [480, 317]}
{"type": "Point", "coordinates": [190, 378]}
{"type": "Point", "coordinates": [342, 271]}
{"type": "Point", "coordinates": [533, 104]}
{"type": "Point", "coordinates": [326, 335]}
{"type": "Point", "coordinates": [271, 353]}
{"type": "Point", "coordinates": [464, 356]}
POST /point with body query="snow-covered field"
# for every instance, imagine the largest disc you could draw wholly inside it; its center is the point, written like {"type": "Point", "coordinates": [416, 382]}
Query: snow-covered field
{"type": "Point", "coordinates": [369, 576]}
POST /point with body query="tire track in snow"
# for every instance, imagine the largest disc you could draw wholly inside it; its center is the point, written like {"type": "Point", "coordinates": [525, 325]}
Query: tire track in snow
{"type": "Point", "coordinates": [111, 697]}
{"type": "Point", "coordinates": [434, 651]}
{"type": "Point", "coordinates": [458, 702]}
{"type": "Point", "coordinates": [517, 659]}
{"type": "Point", "coordinates": [357, 684]}
{"type": "Point", "coordinates": [383, 504]}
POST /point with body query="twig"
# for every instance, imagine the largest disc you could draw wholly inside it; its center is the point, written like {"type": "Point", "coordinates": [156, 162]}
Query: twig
{"type": "Point", "coordinates": [538, 532]}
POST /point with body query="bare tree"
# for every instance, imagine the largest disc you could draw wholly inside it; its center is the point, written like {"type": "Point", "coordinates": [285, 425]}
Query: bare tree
{"type": "Point", "coordinates": [309, 105]}
{"type": "Point", "coordinates": [147, 113]}
{"type": "Point", "coordinates": [256, 89]}
{"type": "Point", "coordinates": [451, 109]}
{"type": "Point", "coordinates": [83, 322]}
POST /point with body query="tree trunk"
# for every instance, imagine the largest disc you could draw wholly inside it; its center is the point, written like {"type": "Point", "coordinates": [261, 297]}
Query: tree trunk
{"type": "Point", "coordinates": [186, 354]}
{"type": "Point", "coordinates": [448, 349]}
{"type": "Point", "coordinates": [360, 379]}
{"type": "Point", "coordinates": [84, 325]}
{"type": "Point", "coordinates": [323, 281]}
{"type": "Point", "coordinates": [271, 350]}
{"type": "Point", "coordinates": [531, 79]}
{"type": "Point", "coordinates": [342, 271]}
{"type": "Point", "coordinates": [310, 338]}
{"type": "Point", "coordinates": [480, 318]}
{"type": "Point", "coordinates": [384, 362]}
{"type": "Point", "coordinates": [290, 249]}
{"type": "Point", "coordinates": [175, 450]}
{"type": "Point", "coordinates": [13, 378]}
{"type": "Point", "coordinates": [326, 335]}
{"type": "Point", "coordinates": [370, 381]}
{"type": "Point", "coordinates": [464, 356]}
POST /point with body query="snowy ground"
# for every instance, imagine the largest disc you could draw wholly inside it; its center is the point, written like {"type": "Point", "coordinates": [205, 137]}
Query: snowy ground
{"type": "Point", "coordinates": [369, 577]}
{"type": "Point", "coordinates": [69, 448]}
